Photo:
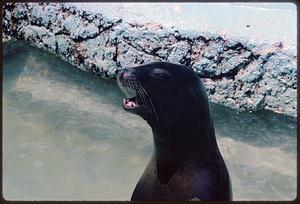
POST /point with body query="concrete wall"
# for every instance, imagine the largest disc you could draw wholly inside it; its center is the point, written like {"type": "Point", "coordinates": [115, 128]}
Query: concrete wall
{"type": "Point", "coordinates": [237, 74]}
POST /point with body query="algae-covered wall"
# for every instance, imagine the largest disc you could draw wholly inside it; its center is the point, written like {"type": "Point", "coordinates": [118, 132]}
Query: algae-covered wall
{"type": "Point", "coordinates": [237, 74]}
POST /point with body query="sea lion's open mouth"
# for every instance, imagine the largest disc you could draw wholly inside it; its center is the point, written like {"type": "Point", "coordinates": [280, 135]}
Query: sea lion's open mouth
{"type": "Point", "coordinates": [134, 100]}
{"type": "Point", "coordinates": [137, 99]}
{"type": "Point", "coordinates": [131, 103]}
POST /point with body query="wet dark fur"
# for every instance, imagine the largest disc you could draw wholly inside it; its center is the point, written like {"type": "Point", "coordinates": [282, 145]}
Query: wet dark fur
{"type": "Point", "coordinates": [186, 163]}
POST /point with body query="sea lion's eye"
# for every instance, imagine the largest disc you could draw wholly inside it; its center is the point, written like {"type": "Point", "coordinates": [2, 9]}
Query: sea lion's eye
{"type": "Point", "coordinates": [160, 74]}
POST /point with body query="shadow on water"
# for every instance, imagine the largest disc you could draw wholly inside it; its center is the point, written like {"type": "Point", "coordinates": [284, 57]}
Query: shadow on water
{"type": "Point", "coordinates": [60, 70]}
{"type": "Point", "coordinates": [55, 115]}
{"type": "Point", "coordinates": [262, 128]}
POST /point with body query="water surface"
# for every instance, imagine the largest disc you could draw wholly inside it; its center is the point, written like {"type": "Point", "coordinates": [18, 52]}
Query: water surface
{"type": "Point", "coordinates": [66, 137]}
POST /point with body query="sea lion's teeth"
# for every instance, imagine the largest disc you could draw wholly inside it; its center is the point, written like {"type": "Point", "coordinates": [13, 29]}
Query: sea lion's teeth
{"type": "Point", "coordinates": [130, 104]}
{"type": "Point", "coordinates": [124, 101]}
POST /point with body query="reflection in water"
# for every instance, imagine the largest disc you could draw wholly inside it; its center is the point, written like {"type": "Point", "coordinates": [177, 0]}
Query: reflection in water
{"type": "Point", "coordinates": [65, 136]}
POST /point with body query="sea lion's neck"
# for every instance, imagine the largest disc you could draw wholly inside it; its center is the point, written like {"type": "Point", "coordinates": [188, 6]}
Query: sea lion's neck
{"type": "Point", "coordinates": [177, 145]}
{"type": "Point", "coordinates": [184, 141]}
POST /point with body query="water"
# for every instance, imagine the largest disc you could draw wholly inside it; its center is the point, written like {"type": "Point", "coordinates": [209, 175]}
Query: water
{"type": "Point", "coordinates": [66, 137]}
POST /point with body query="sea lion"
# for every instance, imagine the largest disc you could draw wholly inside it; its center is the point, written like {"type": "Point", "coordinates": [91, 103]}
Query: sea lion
{"type": "Point", "coordinates": [186, 163]}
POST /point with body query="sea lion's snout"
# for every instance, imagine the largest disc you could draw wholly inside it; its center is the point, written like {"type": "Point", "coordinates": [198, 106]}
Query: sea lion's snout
{"type": "Point", "coordinates": [125, 75]}
{"type": "Point", "coordinates": [135, 98]}
{"type": "Point", "coordinates": [155, 90]}
{"type": "Point", "coordinates": [120, 74]}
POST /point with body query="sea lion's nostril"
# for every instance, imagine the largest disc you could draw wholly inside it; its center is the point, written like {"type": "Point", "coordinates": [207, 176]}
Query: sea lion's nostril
{"type": "Point", "coordinates": [126, 74]}
{"type": "Point", "coordinates": [120, 73]}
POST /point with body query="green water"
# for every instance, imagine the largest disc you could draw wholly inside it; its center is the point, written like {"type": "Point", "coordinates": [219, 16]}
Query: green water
{"type": "Point", "coordinates": [66, 137]}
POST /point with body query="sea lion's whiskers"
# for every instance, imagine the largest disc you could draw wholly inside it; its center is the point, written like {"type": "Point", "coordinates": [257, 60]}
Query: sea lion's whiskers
{"type": "Point", "coordinates": [151, 104]}
{"type": "Point", "coordinates": [142, 96]}
{"type": "Point", "coordinates": [120, 85]}
{"type": "Point", "coordinates": [130, 90]}
{"type": "Point", "coordinates": [138, 94]}
{"type": "Point", "coordinates": [147, 99]}
{"type": "Point", "coordinates": [136, 88]}
{"type": "Point", "coordinates": [133, 91]}
{"type": "Point", "coordinates": [124, 90]}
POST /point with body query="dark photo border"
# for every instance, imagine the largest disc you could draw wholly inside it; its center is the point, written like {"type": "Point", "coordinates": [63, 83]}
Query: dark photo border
{"type": "Point", "coordinates": [297, 200]}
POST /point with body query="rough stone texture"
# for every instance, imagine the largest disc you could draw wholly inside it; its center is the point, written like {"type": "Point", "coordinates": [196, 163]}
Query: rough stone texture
{"type": "Point", "coordinates": [236, 73]}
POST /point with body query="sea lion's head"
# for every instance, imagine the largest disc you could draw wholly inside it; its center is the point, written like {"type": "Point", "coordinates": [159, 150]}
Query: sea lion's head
{"type": "Point", "coordinates": [164, 94]}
